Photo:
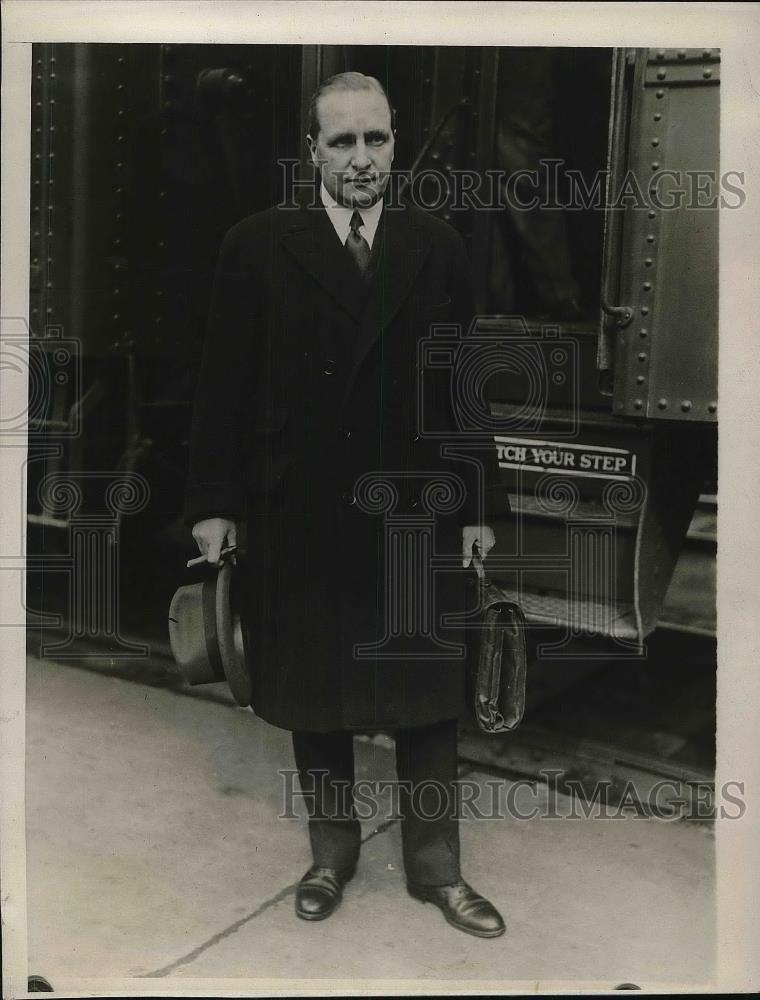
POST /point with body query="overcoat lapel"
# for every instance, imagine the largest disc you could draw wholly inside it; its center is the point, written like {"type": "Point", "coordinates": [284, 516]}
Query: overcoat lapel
{"type": "Point", "coordinates": [311, 238]}
{"type": "Point", "coordinates": [402, 252]}
{"type": "Point", "coordinates": [404, 245]}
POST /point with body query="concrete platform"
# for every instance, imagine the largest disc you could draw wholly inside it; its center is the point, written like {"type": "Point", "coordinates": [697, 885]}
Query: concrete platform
{"type": "Point", "coordinates": [154, 850]}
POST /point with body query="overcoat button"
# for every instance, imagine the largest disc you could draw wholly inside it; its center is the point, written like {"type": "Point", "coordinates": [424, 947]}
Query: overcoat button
{"type": "Point", "coordinates": [330, 367]}
{"type": "Point", "coordinates": [414, 501]}
{"type": "Point", "coordinates": [349, 498]}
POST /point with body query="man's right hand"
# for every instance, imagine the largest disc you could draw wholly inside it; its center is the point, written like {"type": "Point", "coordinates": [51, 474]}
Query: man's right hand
{"type": "Point", "coordinates": [211, 534]}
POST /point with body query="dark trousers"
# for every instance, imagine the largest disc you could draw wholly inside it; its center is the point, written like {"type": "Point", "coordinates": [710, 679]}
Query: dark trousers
{"type": "Point", "coordinates": [426, 764]}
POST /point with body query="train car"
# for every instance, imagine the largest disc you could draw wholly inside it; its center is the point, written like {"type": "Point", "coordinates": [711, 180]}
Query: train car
{"type": "Point", "coordinates": [567, 171]}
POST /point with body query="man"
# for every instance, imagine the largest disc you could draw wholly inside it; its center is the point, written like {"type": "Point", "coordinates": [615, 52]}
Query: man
{"type": "Point", "coordinates": [306, 430]}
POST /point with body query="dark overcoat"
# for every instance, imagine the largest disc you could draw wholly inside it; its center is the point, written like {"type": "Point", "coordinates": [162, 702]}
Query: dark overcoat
{"type": "Point", "coordinates": [314, 428]}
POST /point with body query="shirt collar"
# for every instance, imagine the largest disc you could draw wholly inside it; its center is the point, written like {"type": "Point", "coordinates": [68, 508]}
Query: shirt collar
{"type": "Point", "coordinates": [340, 216]}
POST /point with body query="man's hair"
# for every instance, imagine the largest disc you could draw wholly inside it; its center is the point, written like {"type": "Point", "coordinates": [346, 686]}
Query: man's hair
{"type": "Point", "coordinates": [345, 81]}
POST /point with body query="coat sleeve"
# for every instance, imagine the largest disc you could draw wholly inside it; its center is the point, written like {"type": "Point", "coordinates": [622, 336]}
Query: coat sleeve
{"type": "Point", "coordinates": [485, 498]}
{"type": "Point", "coordinates": [215, 482]}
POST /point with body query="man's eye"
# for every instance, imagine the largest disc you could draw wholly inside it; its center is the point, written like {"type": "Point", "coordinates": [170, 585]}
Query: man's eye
{"type": "Point", "coordinates": [377, 140]}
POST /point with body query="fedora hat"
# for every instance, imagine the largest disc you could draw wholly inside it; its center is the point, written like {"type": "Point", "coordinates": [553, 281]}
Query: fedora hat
{"type": "Point", "coordinates": [206, 635]}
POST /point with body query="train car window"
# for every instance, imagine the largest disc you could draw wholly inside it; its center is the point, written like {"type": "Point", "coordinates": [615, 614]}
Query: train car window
{"type": "Point", "coordinates": [551, 120]}
{"type": "Point", "coordinates": [531, 126]}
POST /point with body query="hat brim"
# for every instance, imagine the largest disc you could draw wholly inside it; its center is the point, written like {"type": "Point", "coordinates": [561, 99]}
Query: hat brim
{"type": "Point", "coordinates": [231, 636]}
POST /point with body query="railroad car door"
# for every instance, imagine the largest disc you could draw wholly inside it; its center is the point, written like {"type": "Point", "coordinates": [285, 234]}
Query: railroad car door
{"type": "Point", "coordinates": [658, 346]}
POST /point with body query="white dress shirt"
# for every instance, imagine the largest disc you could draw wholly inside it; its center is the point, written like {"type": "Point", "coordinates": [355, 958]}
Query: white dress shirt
{"type": "Point", "coordinates": [340, 216]}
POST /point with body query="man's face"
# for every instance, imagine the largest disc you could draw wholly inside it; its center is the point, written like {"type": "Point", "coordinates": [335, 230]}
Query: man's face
{"type": "Point", "coordinates": [354, 147]}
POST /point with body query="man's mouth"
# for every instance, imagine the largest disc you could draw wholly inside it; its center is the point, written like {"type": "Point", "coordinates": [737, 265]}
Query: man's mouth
{"type": "Point", "coordinates": [362, 180]}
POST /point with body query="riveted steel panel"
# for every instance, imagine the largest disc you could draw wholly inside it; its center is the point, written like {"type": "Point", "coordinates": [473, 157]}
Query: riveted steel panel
{"type": "Point", "coordinates": [668, 193]}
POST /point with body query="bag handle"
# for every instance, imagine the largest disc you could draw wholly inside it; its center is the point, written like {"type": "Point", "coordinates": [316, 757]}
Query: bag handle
{"type": "Point", "coordinates": [477, 562]}
{"type": "Point", "coordinates": [229, 551]}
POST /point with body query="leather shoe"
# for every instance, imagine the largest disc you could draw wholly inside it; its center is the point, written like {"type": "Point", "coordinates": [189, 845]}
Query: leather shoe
{"type": "Point", "coordinates": [462, 907]}
{"type": "Point", "coordinates": [320, 891]}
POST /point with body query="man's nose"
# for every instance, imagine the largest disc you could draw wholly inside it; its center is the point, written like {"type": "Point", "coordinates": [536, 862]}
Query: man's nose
{"type": "Point", "coordinates": [360, 160]}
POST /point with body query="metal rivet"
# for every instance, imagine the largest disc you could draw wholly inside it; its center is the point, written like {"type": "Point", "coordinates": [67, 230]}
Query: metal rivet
{"type": "Point", "coordinates": [707, 73]}
{"type": "Point", "coordinates": [643, 332]}
{"type": "Point", "coordinates": [706, 53]}
{"type": "Point", "coordinates": [650, 238]}
{"type": "Point", "coordinates": [712, 407]}
{"type": "Point", "coordinates": [661, 74]}
{"type": "Point", "coordinates": [681, 53]}
{"type": "Point", "coordinates": [655, 165]}
{"type": "Point", "coordinates": [655, 142]}
{"type": "Point", "coordinates": [652, 214]}
{"type": "Point", "coordinates": [640, 380]}
{"type": "Point", "coordinates": [662, 404]}
{"type": "Point", "coordinates": [644, 310]}
{"type": "Point", "coordinates": [660, 93]}
{"type": "Point", "coordinates": [658, 117]}
{"type": "Point", "coordinates": [641, 356]}
{"type": "Point", "coordinates": [647, 286]}
{"type": "Point", "coordinates": [638, 404]}
{"type": "Point", "coordinates": [686, 405]}
{"type": "Point", "coordinates": [647, 261]}
{"type": "Point", "coordinates": [661, 53]}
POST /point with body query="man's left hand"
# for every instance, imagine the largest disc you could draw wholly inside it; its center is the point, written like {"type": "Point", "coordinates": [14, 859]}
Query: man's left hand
{"type": "Point", "coordinates": [476, 534]}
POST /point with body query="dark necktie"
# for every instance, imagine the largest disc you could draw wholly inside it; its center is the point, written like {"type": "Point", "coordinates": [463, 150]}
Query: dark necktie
{"type": "Point", "coordinates": [356, 245]}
